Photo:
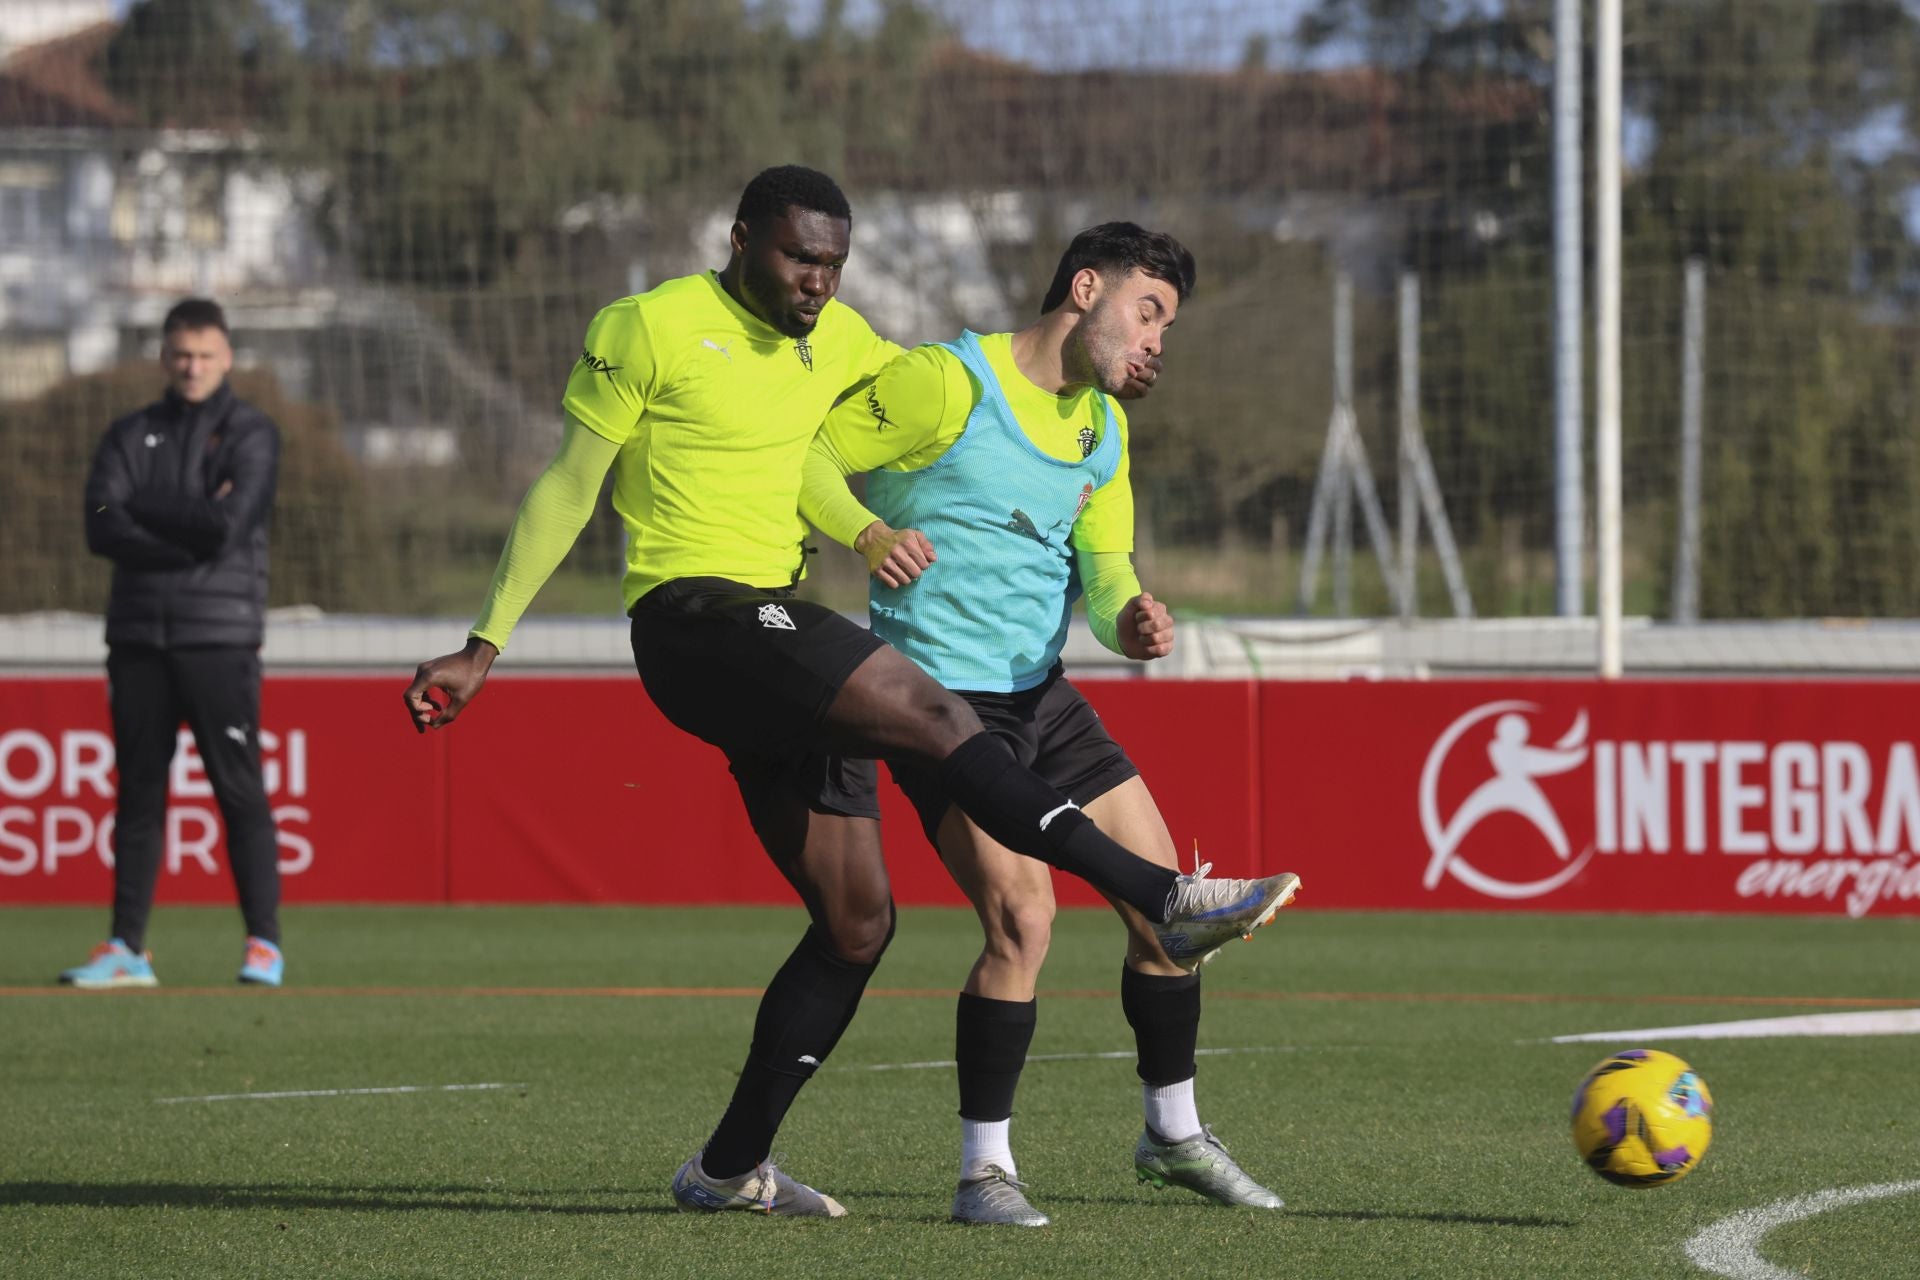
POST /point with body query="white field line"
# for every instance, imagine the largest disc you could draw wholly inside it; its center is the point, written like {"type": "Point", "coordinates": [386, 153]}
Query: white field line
{"type": "Point", "coordinates": [338, 1093]}
{"type": "Point", "coordinates": [1731, 1246]}
{"type": "Point", "coordinates": [1871, 1022]}
{"type": "Point", "coordinates": [1116, 1054]}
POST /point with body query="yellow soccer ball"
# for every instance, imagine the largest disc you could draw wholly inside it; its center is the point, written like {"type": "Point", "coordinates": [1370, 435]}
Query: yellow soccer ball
{"type": "Point", "coordinates": [1642, 1118]}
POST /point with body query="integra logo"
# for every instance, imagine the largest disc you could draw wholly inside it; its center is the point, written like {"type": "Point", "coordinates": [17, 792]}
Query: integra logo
{"type": "Point", "coordinates": [1516, 765]}
{"type": "Point", "coordinates": [1802, 819]}
{"type": "Point", "coordinates": [596, 364]}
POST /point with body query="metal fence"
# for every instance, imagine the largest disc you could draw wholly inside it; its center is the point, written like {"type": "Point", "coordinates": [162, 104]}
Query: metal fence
{"type": "Point", "coordinates": [412, 208]}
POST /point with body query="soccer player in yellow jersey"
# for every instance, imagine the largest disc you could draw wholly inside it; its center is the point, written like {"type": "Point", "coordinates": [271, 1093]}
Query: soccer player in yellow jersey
{"type": "Point", "coordinates": [1006, 456]}
{"type": "Point", "coordinates": [701, 396]}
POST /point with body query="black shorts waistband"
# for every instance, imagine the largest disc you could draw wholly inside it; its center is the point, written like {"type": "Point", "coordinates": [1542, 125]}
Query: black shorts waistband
{"type": "Point", "coordinates": [675, 592]}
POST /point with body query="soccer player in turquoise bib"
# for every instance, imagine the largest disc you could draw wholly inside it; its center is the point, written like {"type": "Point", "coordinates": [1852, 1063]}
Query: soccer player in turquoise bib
{"type": "Point", "coordinates": [998, 485]}
{"type": "Point", "coordinates": [701, 397]}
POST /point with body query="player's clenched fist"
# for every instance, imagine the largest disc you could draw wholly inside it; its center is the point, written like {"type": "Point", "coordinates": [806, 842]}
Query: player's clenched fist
{"type": "Point", "coordinates": [457, 675]}
{"type": "Point", "coordinates": [894, 556]}
{"type": "Point", "coordinates": [1146, 628]}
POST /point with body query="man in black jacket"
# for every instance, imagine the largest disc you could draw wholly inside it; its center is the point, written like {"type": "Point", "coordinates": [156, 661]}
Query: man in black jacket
{"type": "Point", "coordinates": [179, 499]}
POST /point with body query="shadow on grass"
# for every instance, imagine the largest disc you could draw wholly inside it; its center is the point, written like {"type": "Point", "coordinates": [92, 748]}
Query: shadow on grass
{"type": "Point", "coordinates": [1467, 1219]}
{"type": "Point", "coordinates": [1195, 1204]}
{"type": "Point", "coordinates": [182, 1195]}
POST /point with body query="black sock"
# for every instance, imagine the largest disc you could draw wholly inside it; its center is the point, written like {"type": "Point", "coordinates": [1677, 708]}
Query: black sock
{"type": "Point", "coordinates": [1165, 1016]}
{"type": "Point", "coordinates": [990, 1042]}
{"type": "Point", "coordinates": [1015, 806]}
{"type": "Point", "coordinates": [806, 1008]}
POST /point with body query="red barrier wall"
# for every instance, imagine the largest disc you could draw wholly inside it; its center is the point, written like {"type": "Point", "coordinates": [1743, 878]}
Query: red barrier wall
{"type": "Point", "coordinates": [1581, 795]}
{"type": "Point", "coordinates": [1547, 795]}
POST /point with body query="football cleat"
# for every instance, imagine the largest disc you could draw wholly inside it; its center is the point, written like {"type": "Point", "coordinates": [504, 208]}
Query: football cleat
{"type": "Point", "coordinates": [113, 964]}
{"type": "Point", "coordinates": [995, 1199]}
{"type": "Point", "coordinates": [1204, 914]}
{"type": "Point", "coordinates": [761, 1189]}
{"type": "Point", "coordinates": [1201, 1164]}
{"type": "Point", "coordinates": [262, 965]}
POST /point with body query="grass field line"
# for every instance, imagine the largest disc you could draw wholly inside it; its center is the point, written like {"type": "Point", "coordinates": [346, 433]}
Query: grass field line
{"type": "Point", "coordinates": [1867, 1022]}
{"type": "Point", "coordinates": [339, 1093]}
{"type": "Point", "coordinates": [947, 993]}
{"type": "Point", "coordinates": [1731, 1246]}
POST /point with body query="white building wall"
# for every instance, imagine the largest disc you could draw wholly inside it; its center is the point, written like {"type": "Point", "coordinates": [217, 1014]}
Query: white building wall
{"type": "Point", "coordinates": [25, 22]}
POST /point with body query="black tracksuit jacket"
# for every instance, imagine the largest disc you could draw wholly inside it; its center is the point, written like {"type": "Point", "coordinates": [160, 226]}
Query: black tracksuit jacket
{"type": "Point", "coordinates": [189, 568]}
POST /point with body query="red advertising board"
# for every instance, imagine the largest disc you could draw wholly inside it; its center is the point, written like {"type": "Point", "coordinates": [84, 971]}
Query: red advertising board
{"type": "Point", "coordinates": [1581, 795]}
{"type": "Point", "coordinates": [361, 808]}
{"type": "Point", "coordinates": [570, 789]}
{"type": "Point", "coordinates": [1730, 796]}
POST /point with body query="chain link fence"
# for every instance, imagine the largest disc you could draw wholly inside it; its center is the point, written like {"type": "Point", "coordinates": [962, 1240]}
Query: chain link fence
{"type": "Point", "coordinates": [411, 208]}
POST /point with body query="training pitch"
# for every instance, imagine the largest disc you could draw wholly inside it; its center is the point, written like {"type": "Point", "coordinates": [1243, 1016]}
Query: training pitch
{"type": "Point", "coordinates": [507, 1091]}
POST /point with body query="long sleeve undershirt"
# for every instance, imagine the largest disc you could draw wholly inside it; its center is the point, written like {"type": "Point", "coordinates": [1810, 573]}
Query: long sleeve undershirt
{"type": "Point", "coordinates": [556, 508]}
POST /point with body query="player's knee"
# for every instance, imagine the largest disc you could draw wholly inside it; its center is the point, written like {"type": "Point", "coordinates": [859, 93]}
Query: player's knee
{"type": "Point", "coordinates": [861, 936]}
{"type": "Point", "coordinates": [946, 720]}
{"type": "Point", "coordinates": [1021, 933]}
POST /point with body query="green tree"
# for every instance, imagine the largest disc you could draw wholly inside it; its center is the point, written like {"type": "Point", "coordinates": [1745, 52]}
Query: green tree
{"type": "Point", "coordinates": [1770, 140]}
{"type": "Point", "coordinates": [450, 137]}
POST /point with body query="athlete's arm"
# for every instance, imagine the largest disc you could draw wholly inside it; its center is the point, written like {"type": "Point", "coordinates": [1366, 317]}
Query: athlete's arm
{"type": "Point", "coordinates": [895, 556]}
{"type": "Point", "coordinates": [1124, 618]}
{"type": "Point", "coordinates": [556, 508]}
{"type": "Point", "coordinates": [607, 393]}
{"type": "Point", "coordinates": [898, 419]}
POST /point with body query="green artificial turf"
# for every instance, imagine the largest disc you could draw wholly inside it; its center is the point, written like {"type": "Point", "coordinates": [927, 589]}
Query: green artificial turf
{"type": "Point", "coordinates": [1386, 1073]}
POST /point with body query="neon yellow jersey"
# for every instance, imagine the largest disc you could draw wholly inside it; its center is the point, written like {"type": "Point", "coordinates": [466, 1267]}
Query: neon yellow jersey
{"type": "Point", "coordinates": [713, 410]}
{"type": "Point", "coordinates": [918, 407]}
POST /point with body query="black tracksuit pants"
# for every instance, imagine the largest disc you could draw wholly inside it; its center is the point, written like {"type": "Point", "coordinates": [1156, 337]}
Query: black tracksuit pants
{"type": "Point", "coordinates": [216, 690]}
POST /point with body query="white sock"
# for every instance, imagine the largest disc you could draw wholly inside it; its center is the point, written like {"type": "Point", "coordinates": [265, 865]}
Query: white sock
{"type": "Point", "coordinates": [984, 1142]}
{"type": "Point", "coordinates": [1170, 1110]}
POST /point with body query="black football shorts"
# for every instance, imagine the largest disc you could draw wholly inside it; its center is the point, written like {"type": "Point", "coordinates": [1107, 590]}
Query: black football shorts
{"type": "Point", "coordinates": [752, 670]}
{"type": "Point", "coordinates": [1050, 728]}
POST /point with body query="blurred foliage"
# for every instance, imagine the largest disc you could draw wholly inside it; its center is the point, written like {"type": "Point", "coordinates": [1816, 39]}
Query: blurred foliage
{"type": "Point", "coordinates": [505, 161]}
{"type": "Point", "coordinates": [1770, 138]}
{"type": "Point", "coordinates": [454, 135]}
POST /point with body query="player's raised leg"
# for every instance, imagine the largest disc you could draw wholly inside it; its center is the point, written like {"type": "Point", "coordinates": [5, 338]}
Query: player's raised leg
{"type": "Point", "coordinates": [889, 704]}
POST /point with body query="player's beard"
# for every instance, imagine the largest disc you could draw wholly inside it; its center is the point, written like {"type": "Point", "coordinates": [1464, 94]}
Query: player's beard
{"type": "Point", "coordinates": [1099, 350]}
{"type": "Point", "coordinates": [763, 290]}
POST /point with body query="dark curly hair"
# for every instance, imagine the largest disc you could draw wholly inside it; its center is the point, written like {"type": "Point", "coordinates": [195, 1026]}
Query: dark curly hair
{"type": "Point", "coordinates": [1121, 247]}
{"type": "Point", "coordinates": [790, 186]}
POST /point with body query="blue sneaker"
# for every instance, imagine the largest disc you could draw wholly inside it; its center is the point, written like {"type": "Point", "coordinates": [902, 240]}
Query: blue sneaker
{"type": "Point", "coordinates": [263, 964]}
{"type": "Point", "coordinates": [113, 964]}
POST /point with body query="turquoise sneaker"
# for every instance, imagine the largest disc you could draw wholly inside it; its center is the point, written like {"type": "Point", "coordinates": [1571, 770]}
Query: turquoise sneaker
{"type": "Point", "coordinates": [112, 965]}
{"type": "Point", "coordinates": [263, 964]}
